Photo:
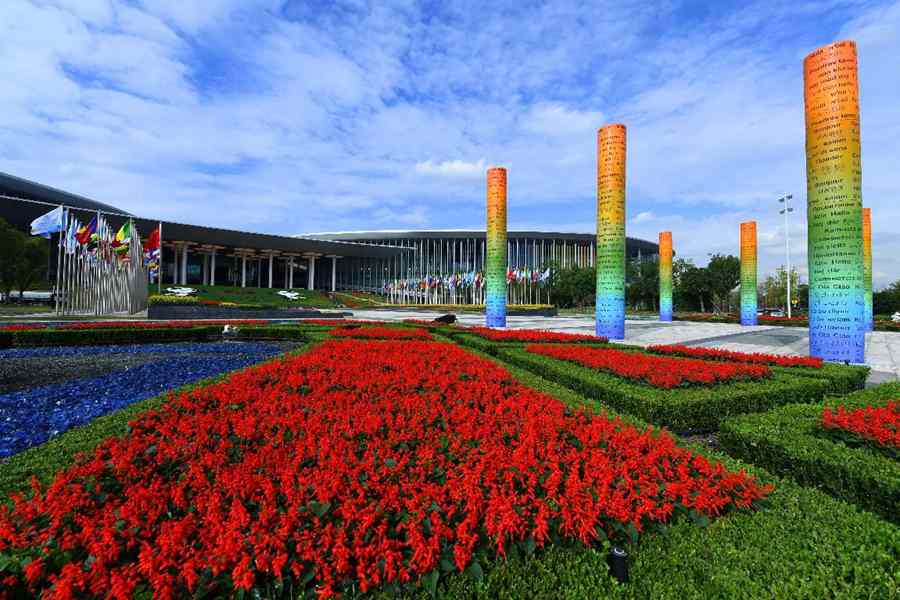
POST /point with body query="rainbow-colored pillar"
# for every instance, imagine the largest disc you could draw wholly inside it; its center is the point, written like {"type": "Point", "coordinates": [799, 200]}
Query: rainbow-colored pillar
{"type": "Point", "coordinates": [837, 321]}
{"type": "Point", "coordinates": [867, 262]}
{"type": "Point", "coordinates": [665, 275]}
{"type": "Point", "coordinates": [495, 261]}
{"type": "Point", "coordinates": [610, 310]}
{"type": "Point", "coordinates": [748, 273]}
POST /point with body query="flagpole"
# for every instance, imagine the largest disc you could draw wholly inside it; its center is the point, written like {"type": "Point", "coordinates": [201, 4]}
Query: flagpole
{"type": "Point", "coordinates": [159, 263]}
{"type": "Point", "coordinates": [62, 221]}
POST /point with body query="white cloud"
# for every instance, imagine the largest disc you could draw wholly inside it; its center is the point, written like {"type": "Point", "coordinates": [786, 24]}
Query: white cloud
{"type": "Point", "coordinates": [451, 168]}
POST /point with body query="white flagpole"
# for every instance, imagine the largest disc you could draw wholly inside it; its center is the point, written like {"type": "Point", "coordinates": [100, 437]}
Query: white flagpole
{"type": "Point", "coordinates": [62, 221]}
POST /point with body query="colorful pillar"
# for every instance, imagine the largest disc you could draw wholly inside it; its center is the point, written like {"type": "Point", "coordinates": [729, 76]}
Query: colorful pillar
{"type": "Point", "coordinates": [837, 328]}
{"type": "Point", "coordinates": [665, 275]}
{"type": "Point", "coordinates": [748, 273]}
{"type": "Point", "coordinates": [495, 263]}
{"type": "Point", "coordinates": [867, 262]}
{"type": "Point", "coordinates": [610, 310]}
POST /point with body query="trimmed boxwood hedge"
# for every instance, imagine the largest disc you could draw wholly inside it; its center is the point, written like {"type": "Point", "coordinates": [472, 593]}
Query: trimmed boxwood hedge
{"type": "Point", "coordinates": [120, 335]}
{"type": "Point", "coordinates": [693, 409]}
{"type": "Point", "coordinates": [843, 379]}
{"type": "Point", "coordinates": [789, 441]}
{"type": "Point", "coordinates": [476, 342]}
{"type": "Point", "coordinates": [6, 339]}
{"type": "Point", "coordinates": [271, 332]}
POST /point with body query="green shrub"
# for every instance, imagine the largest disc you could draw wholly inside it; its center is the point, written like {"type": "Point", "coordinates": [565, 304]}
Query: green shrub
{"type": "Point", "coordinates": [788, 440]}
{"type": "Point", "coordinates": [6, 339]}
{"type": "Point", "coordinates": [842, 379]}
{"type": "Point", "coordinates": [274, 332]}
{"type": "Point", "coordinates": [121, 335]}
{"type": "Point", "coordinates": [698, 408]}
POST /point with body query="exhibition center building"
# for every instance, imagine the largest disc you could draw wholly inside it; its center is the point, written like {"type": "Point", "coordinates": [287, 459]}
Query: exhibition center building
{"type": "Point", "coordinates": [416, 267]}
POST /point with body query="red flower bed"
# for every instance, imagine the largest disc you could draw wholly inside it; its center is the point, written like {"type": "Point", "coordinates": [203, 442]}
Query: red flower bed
{"type": "Point", "coordinates": [22, 327]}
{"type": "Point", "coordinates": [381, 333]}
{"type": "Point", "coordinates": [658, 371]}
{"type": "Point", "coordinates": [354, 465]}
{"type": "Point", "coordinates": [532, 335]}
{"type": "Point", "coordinates": [426, 323]}
{"type": "Point", "coordinates": [879, 424]}
{"type": "Point", "coordinates": [744, 357]}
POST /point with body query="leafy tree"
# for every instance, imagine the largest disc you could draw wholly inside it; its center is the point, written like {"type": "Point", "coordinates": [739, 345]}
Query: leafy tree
{"type": "Point", "coordinates": [774, 288]}
{"type": "Point", "coordinates": [11, 242]}
{"type": "Point", "coordinates": [572, 286]}
{"type": "Point", "coordinates": [691, 286]}
{"type": "Point", "coordinates": [887, 300]}
{"type": "Point", "coordinates": [723, 275]}
{"type": "Point", "coordinates": [642, 284]}
{"type": "Point", "coordinates": [31, 265]}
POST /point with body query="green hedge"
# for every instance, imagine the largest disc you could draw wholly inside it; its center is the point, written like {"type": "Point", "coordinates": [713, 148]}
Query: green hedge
{"type": "Point", "coordinates": [6, 339]}
{"type": "Point", "coordinates": [698, 408]}
{"type": "Point", "coordinates": [789, 441]}
{"type": "Point", "coordinates": [122, 335]}
{"type": "Point", "coordinates": [272, 332]}
{"type": "Point", "coordinates": [843, 379]}
{"type": "Point", "coordinates": [476, 342]}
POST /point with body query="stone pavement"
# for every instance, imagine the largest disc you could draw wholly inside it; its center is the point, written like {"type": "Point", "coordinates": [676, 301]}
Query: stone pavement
{"type": "Point", "coordinates": [882, 348]}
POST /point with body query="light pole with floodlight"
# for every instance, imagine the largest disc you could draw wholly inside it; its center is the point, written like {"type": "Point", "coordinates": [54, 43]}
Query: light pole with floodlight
{"type": "Point", "coordinates": [787, 210]}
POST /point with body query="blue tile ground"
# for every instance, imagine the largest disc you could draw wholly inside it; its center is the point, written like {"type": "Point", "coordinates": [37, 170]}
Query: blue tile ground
{"type": "Point", "coordinates": [31, 417]}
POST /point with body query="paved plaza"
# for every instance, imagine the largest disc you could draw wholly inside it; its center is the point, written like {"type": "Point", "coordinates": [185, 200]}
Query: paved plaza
{"type": "Point", "coordinates": [882, 348]}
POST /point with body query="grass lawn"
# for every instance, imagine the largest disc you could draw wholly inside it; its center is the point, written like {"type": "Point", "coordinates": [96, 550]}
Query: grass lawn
{"type": "Point", "coordinates": [15, 310]}
{"type": "Point", "coordinates": [263, 296]}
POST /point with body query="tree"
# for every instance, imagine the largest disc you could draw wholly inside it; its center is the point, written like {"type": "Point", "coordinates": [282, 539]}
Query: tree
{"type": "Point", "coordinates": [642, 284]}
{"type": "Point", "coordinates": [887, 300]}
{"type": "Point", "coordinates": [774, 288]}
{"type": "Point", "coordinates": [691, 285]}
{"type": "Point", "coordinates": [31, 265]}
{"type": "Point", "coordinates": [723, 275]}
{"type": "Point", "coordinates": [11, 242]}
{"type": "Point", "coordinates": [572, 286]}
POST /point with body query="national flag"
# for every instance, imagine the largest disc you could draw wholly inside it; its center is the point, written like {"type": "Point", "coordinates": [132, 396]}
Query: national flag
{"type": "Point", "coordinates": [51, 222]}
{"type": "Point", "coordinates": [123, 238]}
{"type": "Point", "coordinates": [71, 243]}
{"type": "Point", "coordinates": [152, 242]}
{"type": "Point", "coordinates": [83, 236]}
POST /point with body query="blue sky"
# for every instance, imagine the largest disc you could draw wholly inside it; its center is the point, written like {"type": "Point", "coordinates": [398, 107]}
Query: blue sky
{"type": "Point", "coordinates": [291, 117]}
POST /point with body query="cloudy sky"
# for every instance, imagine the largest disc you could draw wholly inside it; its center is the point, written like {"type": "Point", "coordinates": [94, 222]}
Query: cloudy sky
{"type": "Point", "coordinates": [288, 117]}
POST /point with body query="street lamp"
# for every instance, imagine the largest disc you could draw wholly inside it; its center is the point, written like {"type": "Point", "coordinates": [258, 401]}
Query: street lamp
{"type": "Point", "coordinates": [787, 210]}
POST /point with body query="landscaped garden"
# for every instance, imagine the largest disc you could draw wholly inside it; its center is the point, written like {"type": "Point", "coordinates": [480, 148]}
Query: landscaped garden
{"type": "Point", "coordinates": [416, 459]}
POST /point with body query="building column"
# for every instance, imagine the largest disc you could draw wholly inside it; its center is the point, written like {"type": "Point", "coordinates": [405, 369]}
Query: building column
{"type": "Point", "coordinates": [184, 262]}
{"type": "Point", "coordinates": [290, 272]}
{"type": "Point", "coordinates": [205, 270]}
{"type": "Point", "coordinates": [174, 265]}
{"type": "Point", "coordinates": [243, 270]}
{"type": "Point", "coordinates": [212, 268]}
{"type": "Point", "coordinates": [271, 259]}
{"type": "Point", "coordinates": [334, 273]}
{"type": "Point", "coordinates": [311, 284]}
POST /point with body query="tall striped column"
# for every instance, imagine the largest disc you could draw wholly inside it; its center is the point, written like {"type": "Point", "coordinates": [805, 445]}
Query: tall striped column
{"type": "Point", "coordinates": [610, 309]}
{"type": "Point", "coordinates": [867, 263]}
{"type": "Point", "coordinates": [837, 327]}
{"type": "Point", "coordinates": [748, 273]}
{"type": "Point", "coordinates": [495, 262]}
{"type": "Point", "coordinates": [665, 275]}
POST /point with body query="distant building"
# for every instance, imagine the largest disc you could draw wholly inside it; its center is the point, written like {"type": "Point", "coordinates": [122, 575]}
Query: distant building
{"type": "Point", "coordinates": [450, 253]}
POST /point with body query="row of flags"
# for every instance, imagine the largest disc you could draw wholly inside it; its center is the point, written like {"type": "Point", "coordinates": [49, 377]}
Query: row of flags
{"type": "Point", "coordinates": [87, 238]}
{"type": "Point", "coordinates": [467, 280]}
